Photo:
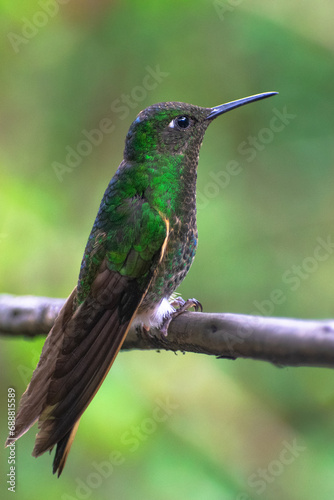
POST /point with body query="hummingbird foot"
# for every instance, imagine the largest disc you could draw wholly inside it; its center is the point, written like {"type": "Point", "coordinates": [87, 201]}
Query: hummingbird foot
{"type": "Point", "coordinates": [180, 306]}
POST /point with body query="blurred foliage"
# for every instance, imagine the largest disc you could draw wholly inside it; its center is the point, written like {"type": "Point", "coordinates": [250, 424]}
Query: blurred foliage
{"type": "Point", "coordinates": [64, 67]}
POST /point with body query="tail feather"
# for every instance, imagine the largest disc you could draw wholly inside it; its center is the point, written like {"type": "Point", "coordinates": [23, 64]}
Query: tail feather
{"type": "Point", "coordinates": [34, 398]}
{"type": "Point", "coordinates": [63, 449]}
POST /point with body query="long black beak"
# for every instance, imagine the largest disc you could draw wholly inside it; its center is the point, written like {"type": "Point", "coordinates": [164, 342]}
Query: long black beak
{"type": "Point", "coordinates": [219, 110]}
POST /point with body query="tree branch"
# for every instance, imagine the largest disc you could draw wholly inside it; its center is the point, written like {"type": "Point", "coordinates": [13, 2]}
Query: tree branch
{"type": "Point", "coordinates": [282, 341]}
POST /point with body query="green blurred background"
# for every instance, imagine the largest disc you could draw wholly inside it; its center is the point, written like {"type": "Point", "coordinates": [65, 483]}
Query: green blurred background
{"type": "Point", "coordinates": [232, 430]}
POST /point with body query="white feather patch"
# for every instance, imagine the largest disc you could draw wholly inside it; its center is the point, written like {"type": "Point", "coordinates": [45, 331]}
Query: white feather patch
{"type": "Point", "coordinates": [154, 317]}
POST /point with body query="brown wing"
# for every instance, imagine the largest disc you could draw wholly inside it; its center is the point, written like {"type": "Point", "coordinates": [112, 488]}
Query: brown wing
{"type": "Point", "coordinates": [76, 358]}
{"type": "Point", "coordinates": [92, 339]}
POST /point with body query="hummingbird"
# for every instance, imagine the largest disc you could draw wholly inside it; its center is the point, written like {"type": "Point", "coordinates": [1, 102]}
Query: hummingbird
{"type": "Point", "coordinates": [141, 247]}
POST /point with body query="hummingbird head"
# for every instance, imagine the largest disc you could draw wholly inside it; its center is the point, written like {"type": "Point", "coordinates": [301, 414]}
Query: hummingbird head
{"type": "Point", "coordinates": [174, 128]}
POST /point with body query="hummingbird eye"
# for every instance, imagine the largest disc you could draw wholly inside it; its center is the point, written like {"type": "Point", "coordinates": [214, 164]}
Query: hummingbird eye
{"type": "Point", "coordinates": [183, 121]}
{"type": "Point", "coordinates": [180, 122]}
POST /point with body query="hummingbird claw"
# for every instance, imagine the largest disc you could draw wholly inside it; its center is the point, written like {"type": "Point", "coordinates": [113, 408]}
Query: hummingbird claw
{"type": "Point", "coordinates": [193, 303]}
{"type": "Point", "coordinates": [181, 306]}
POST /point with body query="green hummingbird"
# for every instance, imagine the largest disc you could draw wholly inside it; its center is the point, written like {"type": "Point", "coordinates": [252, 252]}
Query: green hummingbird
{"type": "Point", "coordinates": [141, 247]}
